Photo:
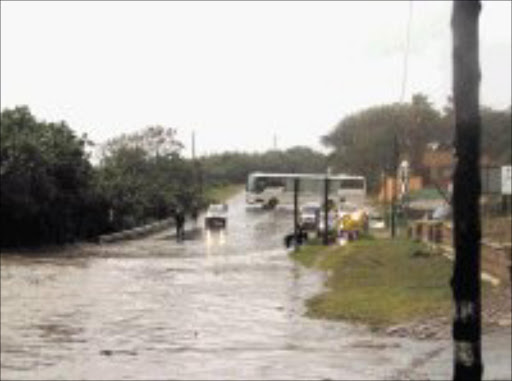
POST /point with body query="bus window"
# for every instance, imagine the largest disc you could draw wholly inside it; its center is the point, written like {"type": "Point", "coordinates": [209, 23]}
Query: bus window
{"type": "Point", "coordinates": [260, 185]}
{"type": "Point", "coordinates": [352, 184]}
{"type": "Point", "coordinates": [334, 185]}
{"type": "Point", "coordinates": [311, 185]}
{"type": "Point", "coordinates": [275, 182]}
{"type": "Point", "coordinates": [289, 185]}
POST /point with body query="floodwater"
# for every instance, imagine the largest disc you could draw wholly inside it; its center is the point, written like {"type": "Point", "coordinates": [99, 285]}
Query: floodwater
{"type": "Point", "coordinates": [225, 304]}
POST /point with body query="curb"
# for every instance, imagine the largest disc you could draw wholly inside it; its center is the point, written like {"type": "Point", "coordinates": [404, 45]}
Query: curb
{"type": "Point", "coordinates": [136, 232]}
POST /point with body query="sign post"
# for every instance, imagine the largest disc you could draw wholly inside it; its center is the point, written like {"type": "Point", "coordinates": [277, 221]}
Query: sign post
{"type": "Point", "coordinates": [506, 187]}
{"type": "Point", "coordinates": [506, 180]}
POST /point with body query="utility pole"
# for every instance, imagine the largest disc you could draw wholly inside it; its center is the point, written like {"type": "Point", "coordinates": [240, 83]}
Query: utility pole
{"type": "Point", "coordinates": [396, 153]}
{"type": "Point", "coordinates": [193, 145]}
{"type": "Point", "coordinates": [326, 210]}
{"type": "Point", "coordinates": [197, 167]}
{"type": "Point", "coordinates": [384, 186]}
{"type": "Point", "coordinates": [465, 281]}
{"type": "Point", "coordinates": [394, 192]}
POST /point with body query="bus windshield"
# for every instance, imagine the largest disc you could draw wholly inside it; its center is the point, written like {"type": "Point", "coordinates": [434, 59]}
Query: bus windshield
{"type": "Point", "coordinates": [352, 184]}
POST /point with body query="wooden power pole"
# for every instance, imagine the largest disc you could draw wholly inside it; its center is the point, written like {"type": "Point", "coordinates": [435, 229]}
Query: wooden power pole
{"type": "Point", "coordinates": [465, 282]}
{"type": "Point", "coordinates": [396, 156]}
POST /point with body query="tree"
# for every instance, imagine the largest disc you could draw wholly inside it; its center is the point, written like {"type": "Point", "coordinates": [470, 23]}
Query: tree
{"type": "Point", "coordinates": [495, 131]}
{"type": "Point", "coordinates": [362, 142]}
{"type": "Point", "coordinates": [122, 179]}
{"type": "Point", "coordinates": [46, 181]}
{"type": "Point", "coordinates": [154, 140]}
{"type": "Point", "coordinates": [496, 134]}
{"type": "Point", "coordinates": [233, 167]}
{"type": "Point", "coordinates": [144, 177]}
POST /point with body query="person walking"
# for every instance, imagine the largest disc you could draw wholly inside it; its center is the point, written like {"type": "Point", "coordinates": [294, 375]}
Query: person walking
{"type": "Point", "coordinates": [195, 215]}
{"type": "Point", "coordinates": [180, 225]}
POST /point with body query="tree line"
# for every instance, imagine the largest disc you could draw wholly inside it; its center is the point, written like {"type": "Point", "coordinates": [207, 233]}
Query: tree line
{"type": "Point", "coordinates": [51, 193]}
{"type": "Point", "coordinates": [364, 142]}
{"type": "Point", "coordinates": [233, 167]}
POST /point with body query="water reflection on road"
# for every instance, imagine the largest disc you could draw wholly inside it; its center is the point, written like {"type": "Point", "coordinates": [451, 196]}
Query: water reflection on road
{"type": "Point", "coordinates": [220, 305]}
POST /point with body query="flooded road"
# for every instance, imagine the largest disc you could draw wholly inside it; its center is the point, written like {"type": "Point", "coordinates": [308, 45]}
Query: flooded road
{"type": "Point", "coordinates": [220, 305]}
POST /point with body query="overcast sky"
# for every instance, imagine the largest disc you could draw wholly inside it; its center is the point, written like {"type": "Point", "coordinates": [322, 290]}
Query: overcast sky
{"type": "Point", "coordinates": [235, 72]}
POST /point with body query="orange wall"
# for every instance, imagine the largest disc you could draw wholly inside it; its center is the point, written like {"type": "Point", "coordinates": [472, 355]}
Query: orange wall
{"type": "Point", "coordinates": [388, 187]}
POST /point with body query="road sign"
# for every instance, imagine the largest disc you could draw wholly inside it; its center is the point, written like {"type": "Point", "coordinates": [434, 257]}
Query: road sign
{"type": "Point", "coordinates": [506, 179]}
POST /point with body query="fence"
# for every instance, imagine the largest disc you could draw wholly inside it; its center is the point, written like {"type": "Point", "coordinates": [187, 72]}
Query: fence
{"type": "Point", "coordinates": [496, 258]}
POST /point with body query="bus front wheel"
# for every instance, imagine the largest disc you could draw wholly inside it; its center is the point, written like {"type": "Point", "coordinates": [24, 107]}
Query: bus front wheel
{"type": "Point", "coordinates": [271, 204]}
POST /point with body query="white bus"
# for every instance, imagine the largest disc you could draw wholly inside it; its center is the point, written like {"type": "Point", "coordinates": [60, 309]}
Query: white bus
{"type": "Point", "coordinates": [268, 189]}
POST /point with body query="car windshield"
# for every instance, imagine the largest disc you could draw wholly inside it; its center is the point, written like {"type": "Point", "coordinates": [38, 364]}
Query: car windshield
{"type": "Point", "coordinates": [310, 209]}
{"type": "Point", "coordinates": [217, 208]}
{"type": "Point", "coordinates": [347, 207]}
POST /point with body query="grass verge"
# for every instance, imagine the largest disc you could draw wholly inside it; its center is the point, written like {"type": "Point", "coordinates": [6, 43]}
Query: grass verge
{"type": "Point", "coordinates": [379, 282]}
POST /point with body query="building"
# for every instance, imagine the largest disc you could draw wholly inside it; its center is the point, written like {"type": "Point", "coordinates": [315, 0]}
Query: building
{"type": "Point", "coordinates": [390, 187]}
{"type": "Point", "coordinates": [438, 162]}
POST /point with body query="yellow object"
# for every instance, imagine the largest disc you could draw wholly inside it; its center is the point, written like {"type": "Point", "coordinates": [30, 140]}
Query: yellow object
{"type": "Point", "coordinates": [353, 221]}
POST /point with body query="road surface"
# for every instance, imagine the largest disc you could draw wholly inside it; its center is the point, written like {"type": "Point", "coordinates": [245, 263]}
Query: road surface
{"type": "Point", "coordinates": [220, 305]}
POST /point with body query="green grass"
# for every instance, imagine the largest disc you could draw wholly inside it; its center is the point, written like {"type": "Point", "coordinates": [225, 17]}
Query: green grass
{"type": "Point", "coordinates": [221, 193]}
{"type": "Point", "coordinates": [378, 282]}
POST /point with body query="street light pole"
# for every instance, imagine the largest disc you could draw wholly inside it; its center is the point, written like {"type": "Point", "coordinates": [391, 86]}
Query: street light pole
{"type": "Point", "coordinates": [395, 188]}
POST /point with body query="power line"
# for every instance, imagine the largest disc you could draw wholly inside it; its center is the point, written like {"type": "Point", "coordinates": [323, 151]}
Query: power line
{"type": "Point", "coordinates": [396, 152]}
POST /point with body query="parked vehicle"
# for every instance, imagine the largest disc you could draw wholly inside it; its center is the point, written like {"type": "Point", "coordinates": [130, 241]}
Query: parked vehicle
{"type": "Point", "coordinates": [348, 217]}
{"type": "Point", "coordinates": [376, 221]}
{"type": "Point", "coordinates": [216, 216]}
{"type": "Point", "coordinates": [442, 212]}
{"type": "Point", "coordinates": [309, 216]}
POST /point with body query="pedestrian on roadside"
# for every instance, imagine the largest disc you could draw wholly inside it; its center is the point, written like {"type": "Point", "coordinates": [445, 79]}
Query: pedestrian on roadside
{"type": "Point", "coordinates": [195, 215]}
{"type": "Point", "coordinates": [180, 224]}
